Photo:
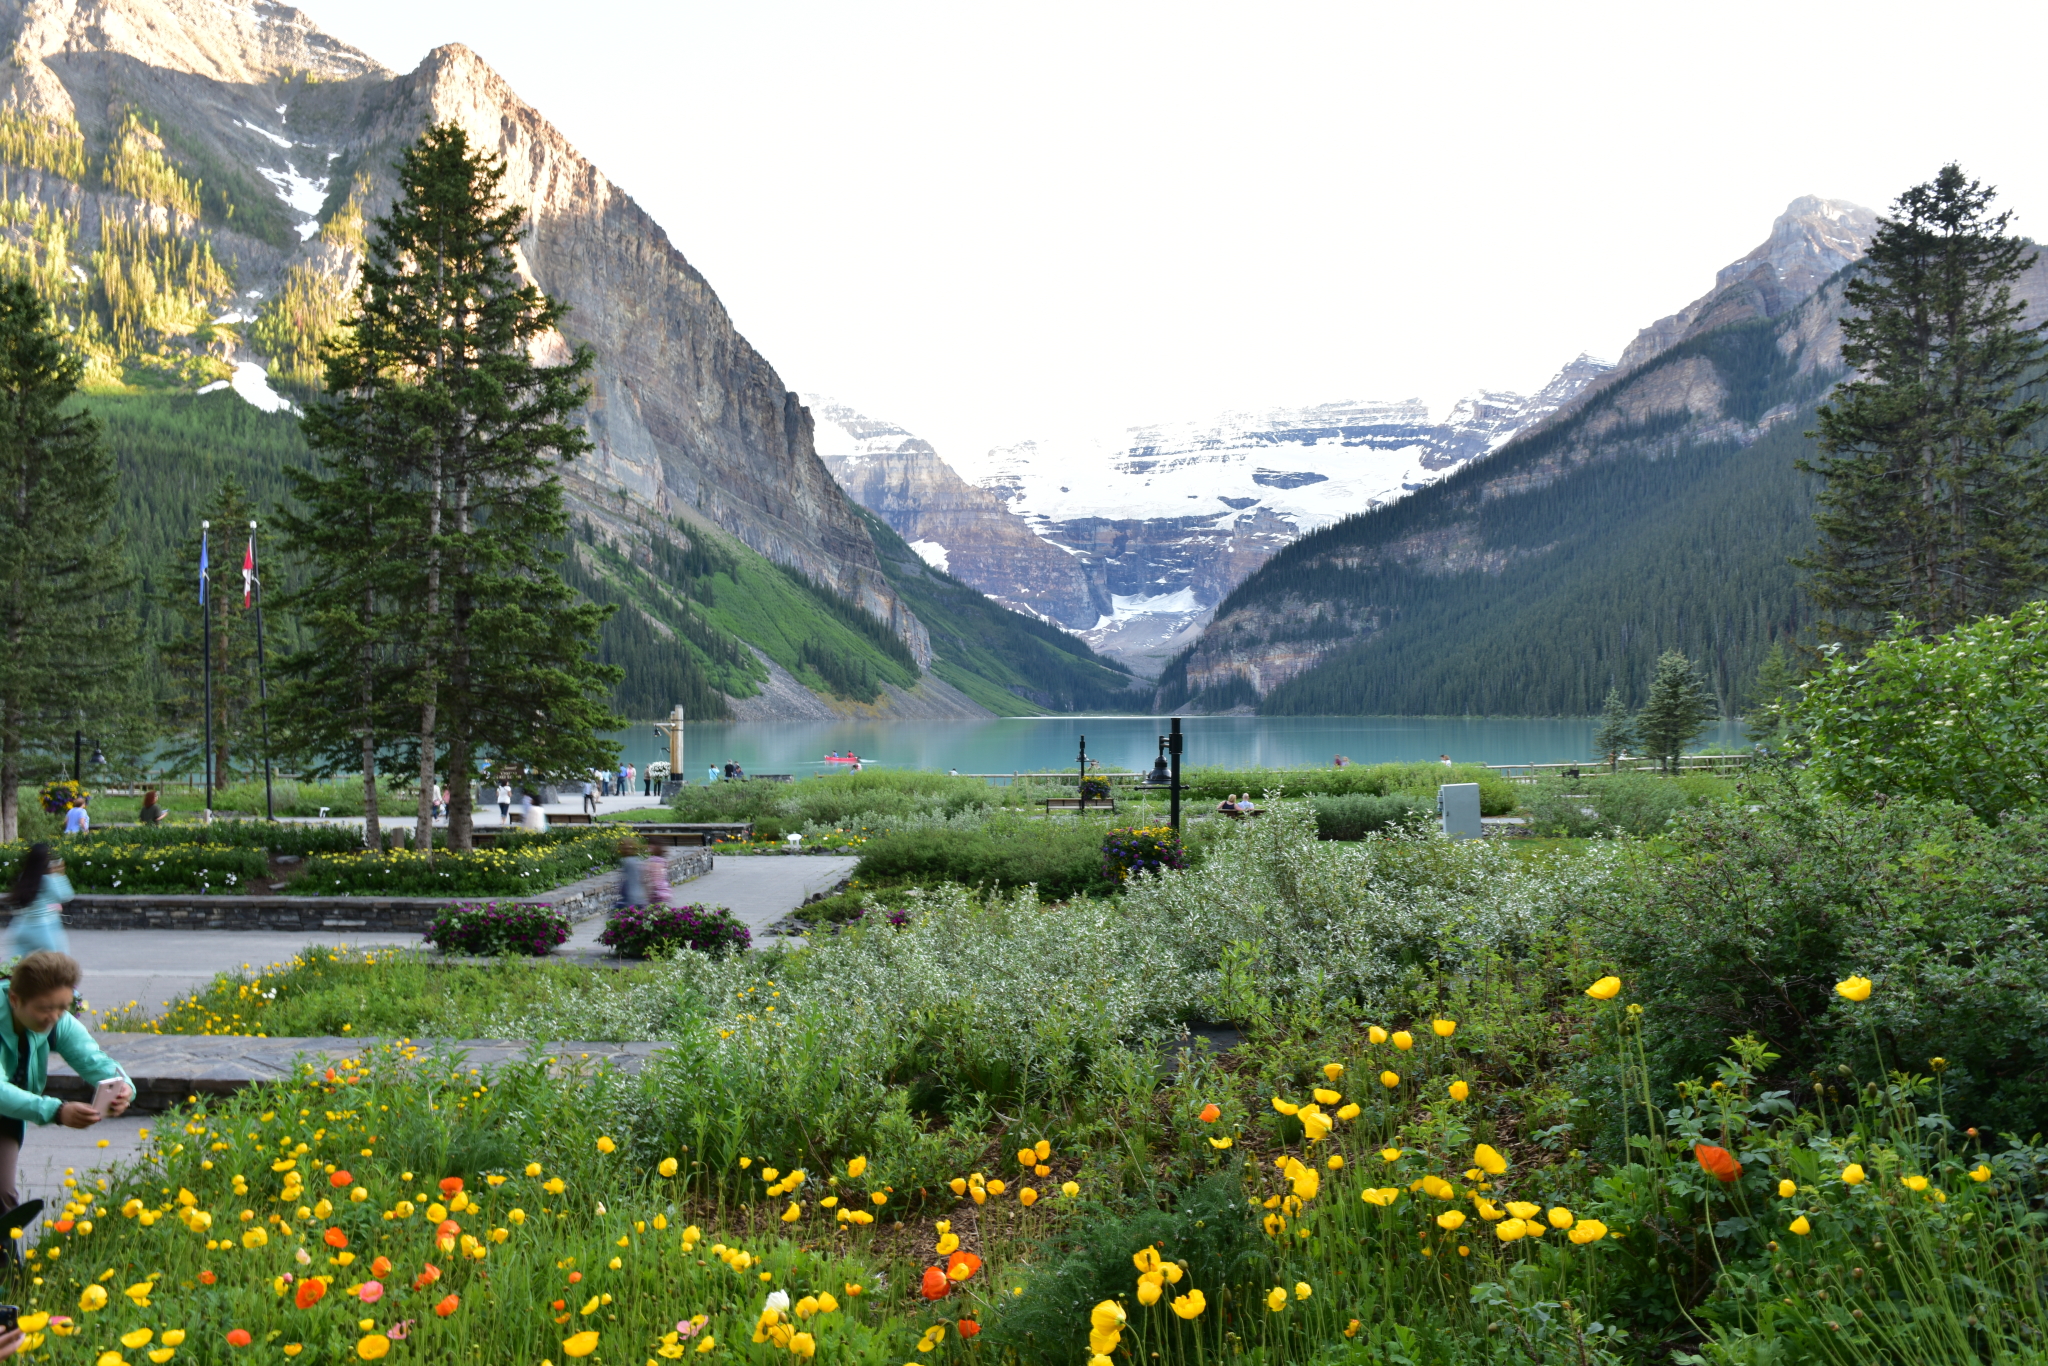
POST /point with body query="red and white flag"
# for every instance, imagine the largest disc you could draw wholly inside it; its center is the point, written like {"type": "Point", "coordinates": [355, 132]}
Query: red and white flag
{"type": "Point", "coordinates": [249, 570]}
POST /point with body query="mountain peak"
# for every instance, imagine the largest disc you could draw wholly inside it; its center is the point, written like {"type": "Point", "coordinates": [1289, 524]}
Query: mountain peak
{"type": "Point", "coordinates": [1810, 241]}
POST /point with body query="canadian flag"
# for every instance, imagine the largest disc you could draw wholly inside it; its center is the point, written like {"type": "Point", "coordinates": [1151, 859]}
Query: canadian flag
{"type": "Point", "coordinates": [249, 570]}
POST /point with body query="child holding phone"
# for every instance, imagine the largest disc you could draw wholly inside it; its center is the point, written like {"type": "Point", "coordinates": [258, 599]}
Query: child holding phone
{"type": "Point", "coordinates": [39, 993]}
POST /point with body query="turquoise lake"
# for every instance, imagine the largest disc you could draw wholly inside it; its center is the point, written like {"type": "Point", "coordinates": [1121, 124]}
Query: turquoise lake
{"type": "Point", "coordinates": [1037, 744]}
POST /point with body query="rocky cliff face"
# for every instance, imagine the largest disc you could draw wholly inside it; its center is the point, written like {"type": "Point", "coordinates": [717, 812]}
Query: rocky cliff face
{"type": "Point", "coordinates": [285, 122]}
{"type": "Point", "coordinates": [1131, 541]}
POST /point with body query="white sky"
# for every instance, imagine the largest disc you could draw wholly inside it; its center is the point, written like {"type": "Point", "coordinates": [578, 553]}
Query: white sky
{"type": "Point", "coordinates": [992, 222]}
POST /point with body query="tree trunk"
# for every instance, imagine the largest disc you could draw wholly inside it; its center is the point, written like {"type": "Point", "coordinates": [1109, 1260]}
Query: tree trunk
{"type": "Point", "coordinates": [373, 824]}
{"type": "Point", "coordinates": [423, 824]}
{"type": "Point", "coordinates": [459, 755]}
{"type": "Point", "coordinates": [10, 776]}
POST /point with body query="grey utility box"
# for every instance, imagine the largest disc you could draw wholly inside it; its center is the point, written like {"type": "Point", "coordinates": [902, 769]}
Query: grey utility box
{"type": "Point", "coordinates": [1458, 804]}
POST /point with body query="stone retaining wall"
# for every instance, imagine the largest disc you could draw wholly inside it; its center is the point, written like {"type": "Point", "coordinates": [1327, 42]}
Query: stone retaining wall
{"type": "Point", "coordinates": [578, 900]}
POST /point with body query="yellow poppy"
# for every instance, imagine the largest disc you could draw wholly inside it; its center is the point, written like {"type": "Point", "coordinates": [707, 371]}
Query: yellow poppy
{"type": "Point", "coordinates": [605, 1144]}
{"type": "Point", "coordinates": [1853, 989]}
{"type": "Point", "coordinates": [373, 1347]}
{"type": "Point", "coordinates": [1348, 1112]}
{"type": "Point", "coordinates": [1276, 1299]}
{"type": "Point", "coordinates": [1150, 1288]}
{"type": "Point", "coordinates": [1404, 1040]}
{"type": "Point", "coordinates": [1587, 1231]}
{"type": "Point", "coordinates": [1507, 1230]}
{"type": "Point", "coordinates": [582, 1344]}
{"type": "Point", "coordinates": [1459, 1090]}
{"type": "Point", "coordinates": [1489, 1160]}
{"type": "Point", "coordinates": [1786, 1190]}
{"type": "Point", "coordinates": [1801, 1227]}
{"type": "Point", "coordinates": [1451, 1220]}
{"type": "Point", "coordinates": [1560, 1217]}
{"type": "Point", "coordinates": [1189, 1305]}
{"type": "Point", "coordinates": [667, 1167]}
{"type": "Point", "coordinates": [1444, 1028]}
{"type": "Point", "coordinates": [1332, 1071]}
{"type": "Point", "coordinates": [1285, 1107]}
{"type": "Point", "coordinates": [1853, 1175]}
{"type": "Point", "coordinates": [1219, 1143]}
{"type": "Point", "coordinates": [1376, 1034]}
{"type": "Point", "coordinates": [1380, 1195]}
{"type": "Point", "coordinates": [1980, 1173]}
{"type": "Point", "coordinates": [1325, 1096]}
{"type": "Point", "coordinates": [1390, 1079]}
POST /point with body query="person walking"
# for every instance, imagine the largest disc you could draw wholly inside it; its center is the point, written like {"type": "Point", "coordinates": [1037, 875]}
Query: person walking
{"type": "Point", "coordinates": [504, 802]}
{"type": "Point", "coordinates": [39, 994]}
{"type": "Point", "coordinates": [589, 797]}
{"type": "Point", "coordinates": [39, 892]}
{"type": "Point", "coordinates": [710, 774]}
{"type": "Point", "coordinates": [632, 874]}
{"type": "Point", "coordinates": [535, 815]}
{"type": "Point", "coordinates": [624, 774]}
{"type": "Point", "coordinates": [77, 820]}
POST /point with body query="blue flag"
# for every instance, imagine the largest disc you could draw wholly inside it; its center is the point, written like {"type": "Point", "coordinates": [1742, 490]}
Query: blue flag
{"type": "Point", "coordinates": [202, 568]}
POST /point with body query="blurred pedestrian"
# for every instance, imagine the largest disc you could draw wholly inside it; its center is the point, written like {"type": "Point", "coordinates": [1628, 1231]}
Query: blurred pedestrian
{"type": "Point", "coordinates": [39, 893]}
{"type": "Point", "coordinates": [589, 797]}
{"type": "Point", "coordinates": [77, 820]}
{"type": "Point", "coordinates": [632, 877]}
{"type": "Point", "coordinates": [504, 802]}
{"type": "Point", "coordinates": [39, 994]}
{"type": "Point", "coordinates": [151, 813]}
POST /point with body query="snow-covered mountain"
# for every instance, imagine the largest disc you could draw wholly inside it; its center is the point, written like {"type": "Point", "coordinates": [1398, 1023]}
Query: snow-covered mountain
{"type": "Point", "coordinates": [1151, 527]}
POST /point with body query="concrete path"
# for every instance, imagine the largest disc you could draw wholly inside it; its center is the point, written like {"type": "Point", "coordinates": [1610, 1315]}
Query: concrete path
{"type": "Point", "coordinates": [154, 967]}
{"type": "Point", "coordinates": [759, 888]}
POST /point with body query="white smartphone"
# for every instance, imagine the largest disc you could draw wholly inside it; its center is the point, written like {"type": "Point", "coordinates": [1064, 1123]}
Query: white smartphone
{"type": "Point", "coordinates": [108, 1092]}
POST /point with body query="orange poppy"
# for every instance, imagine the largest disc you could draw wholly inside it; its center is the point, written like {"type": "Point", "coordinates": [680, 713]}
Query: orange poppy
{"type": "Point", "coordinates": [238, 1337]}
{"type": "Point", "coordinates": [451, 1186]}
{"type": "Point", "coordinates": [334, 1237]}
{"type": "Point", "coordinates": [339, 1179]}
{"type": "Point", "coordinates": [426, 1277]}
{"type": "Point", "coordinates": [309, 1293]}
{"type": "Point", "coordinates": [207, 1278]}
{"type": "Point", "coordinates": [1718, 1162]}
{"type": "Point", "coordinates": [968, 1328]}
{"type": "Point", "coordinates": [961, 1265]}
{"type": "Point", "coordinates": [63, 1226]}
{"type": "Point", "coordinates": [936, 1286]}
{"type": "Point", "coordinates": [448, 1306]}
{"type": "Point", "coordinates": [1211, 1113]}
{"type": "Point", "coordinates": [380, 1267]}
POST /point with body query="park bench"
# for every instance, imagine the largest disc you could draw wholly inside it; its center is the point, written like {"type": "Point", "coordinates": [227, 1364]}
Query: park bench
{"type": "Point", "coordinates": [1053, 804]}
{"type": "Point", "coordinates": [1240, 815]}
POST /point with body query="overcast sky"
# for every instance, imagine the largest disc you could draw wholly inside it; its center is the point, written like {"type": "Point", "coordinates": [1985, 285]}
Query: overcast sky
{"type": "Point", "coordinates": [990, 222]}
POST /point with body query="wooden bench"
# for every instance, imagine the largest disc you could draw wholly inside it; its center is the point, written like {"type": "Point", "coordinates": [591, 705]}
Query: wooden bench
{"type": "Point", "coordinates": [1053, 804]}
{"type": "Point", "coordinates": [569, 818]}
{"type": "Point", "coordinates": [1240, 815]}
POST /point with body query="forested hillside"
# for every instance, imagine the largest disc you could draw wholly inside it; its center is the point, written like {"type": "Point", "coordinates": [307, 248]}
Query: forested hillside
{"type": "Point", "coordinates": [692, 600]}
{"type": "Point", "coordinates": [1008, 662]}
{"type": "Point", "coordinates": [1659, 516]}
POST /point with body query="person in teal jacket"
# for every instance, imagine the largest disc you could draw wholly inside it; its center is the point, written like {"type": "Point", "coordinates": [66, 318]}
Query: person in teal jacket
{"type": "Point", "coordinates": [39, 993]}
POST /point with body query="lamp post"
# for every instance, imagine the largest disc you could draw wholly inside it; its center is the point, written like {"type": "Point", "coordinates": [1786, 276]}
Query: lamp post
{"type": "Point", "coordinates": [1081, 790]}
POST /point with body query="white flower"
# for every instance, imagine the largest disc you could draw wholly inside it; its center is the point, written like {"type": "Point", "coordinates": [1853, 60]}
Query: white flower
{"type": "Point", "coordinates": [778, 1300]}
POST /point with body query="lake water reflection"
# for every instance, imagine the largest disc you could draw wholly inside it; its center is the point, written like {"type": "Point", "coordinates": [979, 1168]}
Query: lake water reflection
{"type": "Point", "coordinates": [1006, 744]}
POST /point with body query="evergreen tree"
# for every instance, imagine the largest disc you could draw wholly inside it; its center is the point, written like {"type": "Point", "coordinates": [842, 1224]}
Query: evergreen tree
{"type": "Point", "coordinates": [237, 718]}
{"type": "Point", "coordinates": [67, 637]}
{"type": "Point", "coordinates": [1678, 708]}
{"type": "Point", "coordinates": [435, 399]}
{"type": "Point", "coordinates": [1770, 694]}
{"type": "Point", "coordinates": [1935, 497]}
{"type": "Point", "coordinates": [1616, 734]}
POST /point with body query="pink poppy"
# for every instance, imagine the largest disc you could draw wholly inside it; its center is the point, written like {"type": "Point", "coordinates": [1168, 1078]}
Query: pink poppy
{"type": "Point", "coordinates": [371, 1292]}
{"type": "Point", "coordinates": [397, 1331]}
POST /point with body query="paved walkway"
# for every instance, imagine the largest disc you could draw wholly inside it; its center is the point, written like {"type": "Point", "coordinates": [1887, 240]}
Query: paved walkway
{"type": "Point", "coordinates": [154, 967]}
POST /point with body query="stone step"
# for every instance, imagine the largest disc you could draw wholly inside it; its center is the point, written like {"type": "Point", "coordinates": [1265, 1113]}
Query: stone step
{"type": "Point", "coordinates": [169, 1068]}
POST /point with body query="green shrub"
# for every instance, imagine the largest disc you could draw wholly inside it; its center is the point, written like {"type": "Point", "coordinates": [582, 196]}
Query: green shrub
{"type": "Point", "coordinates": [1063, 856]}
{"type": "Point", "coordinates": [277, 838]}
{"type": "Point", "coordinates": [1497, 796]}
{"type": "Point", "coordinates": [1141, 849]}
{"type": "Point", "coordinates": [1620, 803]}
{"type": "Point", "coordinates": [1962, 717]}
{"type": "Point", "coordinates": [1355, 815]}
{"type": "Point", "coordinates": [1741, 921]}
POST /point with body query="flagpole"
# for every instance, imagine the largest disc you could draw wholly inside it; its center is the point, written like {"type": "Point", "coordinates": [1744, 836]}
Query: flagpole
{"type": "Point", "coordinates": [262, 681]}
{"type": "Point", "coordinates": [206, 665]}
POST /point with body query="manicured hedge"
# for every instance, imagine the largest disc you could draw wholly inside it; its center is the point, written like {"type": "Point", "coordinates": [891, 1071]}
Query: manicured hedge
{"type": "Point", "coordinates": [1063, 856]}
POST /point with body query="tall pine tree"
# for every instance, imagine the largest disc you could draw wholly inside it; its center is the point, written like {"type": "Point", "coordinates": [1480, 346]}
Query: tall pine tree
{"type": "Point", "coordinates": [1616, 733]}
{"type": "Point", "coordinates": [68, 640]}
{"type": "Point", "coordinates": [1934, 504]}
{"type": "Point", "coordinates": [1678, 709]}
{"type": "Point", "coordinates": [435, 400]}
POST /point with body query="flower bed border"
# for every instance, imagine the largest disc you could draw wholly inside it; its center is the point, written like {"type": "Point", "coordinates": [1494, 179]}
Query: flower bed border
{"type": "Point", "coordinates": [180, 911]}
